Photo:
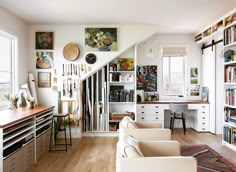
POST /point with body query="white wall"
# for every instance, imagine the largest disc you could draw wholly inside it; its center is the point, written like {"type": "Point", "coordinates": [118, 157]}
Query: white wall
{"type": "Point", "coordinates": [64, 34]}
{"type": "Point", "coordinates": [13, 25]}
{"type": "Point", "coordinates": [145, 57]}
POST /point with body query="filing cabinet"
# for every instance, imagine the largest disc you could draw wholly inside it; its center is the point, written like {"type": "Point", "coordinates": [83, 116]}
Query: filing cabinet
{"type": "Point", "coordinates": [201, 120]}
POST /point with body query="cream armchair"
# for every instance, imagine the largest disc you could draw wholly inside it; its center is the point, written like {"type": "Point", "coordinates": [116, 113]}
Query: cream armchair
{"type": "Point", "coordinates": [143, 131]}
{"type": "Point", "coordinates": [152, 156]}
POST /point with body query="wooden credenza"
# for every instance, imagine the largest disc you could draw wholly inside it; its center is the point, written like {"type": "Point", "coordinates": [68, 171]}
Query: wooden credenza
{"type": "Point", "coordinates": [24, 137]}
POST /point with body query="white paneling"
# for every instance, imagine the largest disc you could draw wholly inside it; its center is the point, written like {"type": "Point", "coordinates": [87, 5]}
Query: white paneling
{"type": "Point", "coordinates": [208, 80]}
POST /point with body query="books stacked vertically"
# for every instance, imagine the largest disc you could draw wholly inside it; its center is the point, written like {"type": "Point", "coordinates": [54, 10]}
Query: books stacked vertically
{"type": "Point", "coordinates": [230, 96]}
{"type": "Point", "coordinates": [229, 134]}
{"type": "Point", "coordinates": [230, 35]}
{"type": "Point", "coordinates": [230, 74]}
{"type": "Point", "coordinates": [230, 115]}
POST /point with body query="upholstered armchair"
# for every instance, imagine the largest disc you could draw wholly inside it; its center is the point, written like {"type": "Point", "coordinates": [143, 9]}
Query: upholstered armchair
{"type": "Point", "coordinates": [152, 156]}
{"type": "Point", "coordinates": [143, 131]}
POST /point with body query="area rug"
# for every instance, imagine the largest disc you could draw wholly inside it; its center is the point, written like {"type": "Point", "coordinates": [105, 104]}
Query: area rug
{"type": "Point", "coordinates": [208, 160]}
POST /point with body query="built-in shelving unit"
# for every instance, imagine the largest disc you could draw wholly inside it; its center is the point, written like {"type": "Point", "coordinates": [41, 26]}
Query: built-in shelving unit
{"type": "Point", "coordinates": [229, 119]}
{"type": "Point", "coordinates": [121, 90]}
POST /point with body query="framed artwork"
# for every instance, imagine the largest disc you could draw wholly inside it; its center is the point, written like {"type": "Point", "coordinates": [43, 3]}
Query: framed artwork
{"type": "Point", "coordinates": [125, 64]}
{"type": "Point", "coordinates": [194, 92]}
{"type": "Point", "coordinates": [194, 81]}
{"type": "Point", "coordinates": [44, 40]}
{"type": "Point", "coordinates": [147, 78]}
{"type": "Point", "coordinates": [193, 72]}
{"type": "Point", "coordinates": [101, 39]}
{"type": "Point", "coordinates": [44, 60]}
{"type": "Point", "coordinates": [44, 79]}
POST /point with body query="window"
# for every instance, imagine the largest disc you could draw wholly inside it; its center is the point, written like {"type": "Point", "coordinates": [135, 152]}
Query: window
{"type": "Point", "coordinates": [173, 71]}
{"type": "Point", "coordinates": [7, 67]}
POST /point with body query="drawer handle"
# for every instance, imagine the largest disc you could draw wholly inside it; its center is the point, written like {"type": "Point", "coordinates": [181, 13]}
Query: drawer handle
{"type": "Point", "coordinates": [142, 118]}
{"type": "Point", "coordinates": [203, 112]}
{"type": "Point", "coordinates": [203, 129]}
{"type": "Point", "coordinates": [203, 106]}
{"type": "Point", "coordinates": [157, 118]}
{"type": "Point", "coordinates": [203, 117]}
{"type": "Point", "coordinates": [203, 123]}
{"type": "Point", "coordinates": [142, 112]}
{"type": "Point", "coordinates": [157, 112]}
{"type": "Point", "coordinates": [156, 106]}
{"type": "Point", "coordinates": [142, 106]}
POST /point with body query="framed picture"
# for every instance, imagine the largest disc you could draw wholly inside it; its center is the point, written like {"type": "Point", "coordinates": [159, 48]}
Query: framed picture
{"type": "Point", "coordinates": [44, 79]}
{"type": "Point", "coordinates": [44, 60]}
{"type": "Point", "coordinates": [147, 78]}
{"type": "Point", "coordinates": [44, 40]}
{"type": "Point", "coordinates": [101, 39]}
{"type": "Point", "coordinates": [194, 72]}
{"type": "Point", "coordinates": [194, 81]}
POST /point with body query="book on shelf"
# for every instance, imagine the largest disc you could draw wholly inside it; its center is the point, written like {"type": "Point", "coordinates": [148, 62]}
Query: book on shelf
{"type": "Point", "coordinates": [230, 96]}
{"type": "Point", "coordinates": [230, 35]}
{"type": "Point", "coordinates": [230, 74]}
{"type": "Point", "coordinates": [229, 134]}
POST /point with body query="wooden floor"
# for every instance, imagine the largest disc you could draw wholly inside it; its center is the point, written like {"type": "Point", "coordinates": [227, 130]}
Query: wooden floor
{"type": "Point", "coordinates": [97, 154]}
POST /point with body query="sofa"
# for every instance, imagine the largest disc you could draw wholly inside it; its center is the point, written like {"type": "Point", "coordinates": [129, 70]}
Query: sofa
{"type": "Point", "coordinates": [152, 156]}
{"type": "Point", "coordinates": [143, 131]}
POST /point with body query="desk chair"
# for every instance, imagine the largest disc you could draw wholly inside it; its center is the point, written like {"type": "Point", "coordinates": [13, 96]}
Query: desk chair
{"type": "Point", "coordinates": [177, 112]}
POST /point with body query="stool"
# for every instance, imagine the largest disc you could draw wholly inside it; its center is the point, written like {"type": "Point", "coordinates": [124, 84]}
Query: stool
{"type": "Point", "coordinates": [62, 117]}
{"type": "Point", "coordinates": [177, 112]}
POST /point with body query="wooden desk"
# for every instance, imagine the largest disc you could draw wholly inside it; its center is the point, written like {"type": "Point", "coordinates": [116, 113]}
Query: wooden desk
{"type": "Point", "coordinates": [156, 110]}
{"type": "Point", "coordinates": [21, 132]}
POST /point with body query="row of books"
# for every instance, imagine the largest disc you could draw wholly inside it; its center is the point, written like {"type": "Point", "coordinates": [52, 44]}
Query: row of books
{"type": "Point", "coordinates": [229, 134]}
{"type": "Point", "coordinates": [230, 35]}
{"type": "Point", "coordinates": [230, 115]}
{"type": "Point", "coordinates": [230, 96]}
{"type": "Point", "coordinates": [230, 74]}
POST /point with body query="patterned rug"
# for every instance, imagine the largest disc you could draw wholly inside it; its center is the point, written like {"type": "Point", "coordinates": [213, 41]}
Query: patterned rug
{"type": "Point", "coordinates": [208, 159]}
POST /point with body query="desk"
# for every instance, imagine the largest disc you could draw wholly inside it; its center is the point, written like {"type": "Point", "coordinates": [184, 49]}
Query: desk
{"type": "Point", "coordinates": [156, 111]}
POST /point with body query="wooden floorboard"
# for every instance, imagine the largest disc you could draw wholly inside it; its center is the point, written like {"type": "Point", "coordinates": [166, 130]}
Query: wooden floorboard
{"type": "Point", "coordinates": [98, 154]}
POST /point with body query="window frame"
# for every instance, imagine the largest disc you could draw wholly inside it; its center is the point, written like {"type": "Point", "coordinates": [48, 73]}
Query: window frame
{"type": "Point", "coordinates": [161, 91]}
{"type": "Point", "coordinates": [13, 62]}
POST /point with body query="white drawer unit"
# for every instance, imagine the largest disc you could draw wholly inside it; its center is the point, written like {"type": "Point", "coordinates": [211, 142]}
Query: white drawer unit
{"type": "Point", "coordinates": [150, 112]}
{"type": "Point", "coordinates": [201, 121]}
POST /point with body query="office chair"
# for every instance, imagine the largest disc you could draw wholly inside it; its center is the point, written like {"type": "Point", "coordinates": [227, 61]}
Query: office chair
{"type": "Point", "coordinates": [177, 112]}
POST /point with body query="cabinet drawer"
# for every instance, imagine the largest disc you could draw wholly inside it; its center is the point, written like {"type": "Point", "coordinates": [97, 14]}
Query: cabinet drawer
{"type": "Point", "coordinates": [152, 106]}
{"type": "Point", "coordinates": [142, 118]}
{"type": "Point", "coordinates": [155, 118]}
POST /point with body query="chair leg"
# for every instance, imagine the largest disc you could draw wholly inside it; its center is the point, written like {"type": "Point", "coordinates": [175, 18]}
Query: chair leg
{"type": "Point", "coordinates": [171, 118]}
{"type": "Point", "coordinates": [65, 133]}
{"type": "Point", "coordinates": [70, 131]}
{"type": "Point", "coordinates": [52, 127]}
{"type": "Point", "coordinates": [173, 122]}
{"type": "Point", "coordinates": [184, 124]}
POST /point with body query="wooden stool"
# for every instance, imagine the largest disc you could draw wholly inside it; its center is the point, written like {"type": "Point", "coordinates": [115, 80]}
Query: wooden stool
{"type": "Point", "coordinates": [62, 117]}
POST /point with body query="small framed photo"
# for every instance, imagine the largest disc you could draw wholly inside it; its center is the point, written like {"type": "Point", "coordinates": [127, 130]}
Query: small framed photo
{"type": "Point", "coordinates": [44, 40]}
{"type": "Point", "coordinates": [44, 79]}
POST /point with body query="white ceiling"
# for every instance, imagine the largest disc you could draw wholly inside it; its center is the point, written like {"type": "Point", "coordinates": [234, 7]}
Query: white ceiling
{"type": "Point", "coordinates": [179, 15]}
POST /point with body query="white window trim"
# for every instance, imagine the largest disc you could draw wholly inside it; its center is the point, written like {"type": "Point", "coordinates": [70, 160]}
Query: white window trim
{"type": "Point", "coordinates": [160, 74]}
{"type": "Point", "coordinates": [14, 60]}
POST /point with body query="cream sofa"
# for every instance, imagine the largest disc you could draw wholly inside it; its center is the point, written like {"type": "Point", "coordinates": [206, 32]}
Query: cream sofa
{"type": "Point", "coordinates": [152, 156]}
{"type": "Point", "coordinates": [143, 131]}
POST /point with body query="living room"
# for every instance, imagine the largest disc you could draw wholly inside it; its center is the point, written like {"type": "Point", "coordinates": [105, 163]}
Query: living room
{"type": "Point", "coordinates": [99, 62]}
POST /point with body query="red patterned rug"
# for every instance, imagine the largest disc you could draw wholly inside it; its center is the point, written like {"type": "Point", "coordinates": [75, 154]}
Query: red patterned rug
{"type": "Point", "coordinates": [208, 159]}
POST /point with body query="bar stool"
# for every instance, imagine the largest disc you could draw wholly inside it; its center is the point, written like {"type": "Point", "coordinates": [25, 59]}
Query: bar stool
{"type": "Point", "coordinates": [177, 112]}
{"type": "Point", "coordinates": [60, 117]}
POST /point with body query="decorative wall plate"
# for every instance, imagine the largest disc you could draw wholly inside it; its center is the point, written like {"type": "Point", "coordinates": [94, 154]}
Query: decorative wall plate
{"type": "Point", "coordinates": [71, 51]}
{"type": "Point", "coordinates": [90, 58]}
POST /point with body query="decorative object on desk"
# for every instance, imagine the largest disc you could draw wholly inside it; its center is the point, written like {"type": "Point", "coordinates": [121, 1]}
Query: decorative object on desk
{"type": "Point", "coordinates": [44, 79]}
{"type": "Point", "coordinates": [207, 158]}
{"type": "Point", "coordinates": [71, 51]}
{"type": "Point", "coordinates": [90, 58]}
{"type": "Point", "coordinates": [125, 64]}
{"type": "Point", "coordinates": [44, 60]}
{"type": "Point", "coordinates": [12, 101]}
{"type": "Point", "coordinates": [205, 92]}
{"type": "Point", "coordinates": [32, 87]}
{"type": "Point", "coordinates": [193, 72]}
{"type": "Point", "coordinates": [229, 55]}
{"type": "Point", "coordinates": [147, 78]}
{"type": "Point", "coordinates": [194, 81]}
{"type": "Point", "coordinates": [102, 39]}
{"type": "Point", "coordinates": [44, 40]}
{"type": "Point", "coordinates": [194, 92]}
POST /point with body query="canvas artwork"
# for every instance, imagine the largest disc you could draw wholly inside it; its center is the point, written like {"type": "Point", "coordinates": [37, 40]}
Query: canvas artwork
{"type": "Point", "coordinates": [194, 92]}
{"type": "Point", "coordinates": [44, 40]}
{"type": "Point", "coordinates": [194, 81]}
{"type": "Point", "coordinates": [147, 78]}
{"type": "Point", "coordinates": [125, 64]}
{"type": "Point", "coordinates": [194, 72]}
{"type": "Point", "coordinates": [101, 39]}
{"type": "Point", "coordinates": [44, 60]}
{"type": "Point", "coordinates": [44, 79]}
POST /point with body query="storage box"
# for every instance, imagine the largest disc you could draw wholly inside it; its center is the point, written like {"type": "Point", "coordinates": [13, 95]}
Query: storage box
{"type": "Point", "coordinates": [119, 116]}
{"type": "Point", "coordinates": [112, 127]}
